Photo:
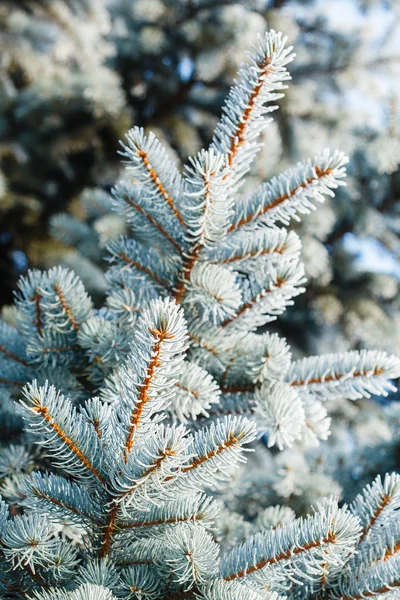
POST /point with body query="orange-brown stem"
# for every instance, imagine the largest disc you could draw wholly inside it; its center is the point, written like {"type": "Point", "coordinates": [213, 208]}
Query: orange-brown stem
{"type": "Point", "coordinates": [143, 391]}
{"type": "Point", "coordinates": [66, 307]}
{"type": "Point", "coordinates": [13, 356]}
{"type": "Point", "coordinates": [153, 222]}
{"type": "Point", "coordinates": [280, 199]}
{"type": "Point", "coordinates": [334, 377]}
{"type": "Point", "coordinates": [203, 344]}
{"type": "Point", "coordinates": [145, 159]}
{"type": "Point", "coordinates": [186, 389]}
{"type": "Point", "coordinates": [43, 411]}
{"type": "Point", "coordinates": [278, 284]}
{"type": "Point", "coordinates": [372, 593]}
{"type": "Point", "coordinates": [385, 501]}
{"type": "Point", "coordinates": [142, 268]}
{"type": "Point", "coordinates": [337, 377]}
{"type": "Point", "coordinates": [239, 136]}
{"type": "Point", "coordinates": [109, 530]}
{"type": "Point", "coordinates": [59, 348]}
{"type": "Point", "coordinates": [188, 266]}
{"type": "Point", "coordinates": [249, 255]}
{"type": "Point", "coordinates": [330, 539]}
{"type": "Point", "coordinates": [58, 502]}
{"type": "Point", "coordinates": [196, 517]}
{"type": "Point", "coordinates": [112, 517]}
{"type": "Point", "coordinates": [232, 441]}
{"type": "Point", "coordinates": [12, 382]}
{"type": "Point", "coordinates": [38, 322]}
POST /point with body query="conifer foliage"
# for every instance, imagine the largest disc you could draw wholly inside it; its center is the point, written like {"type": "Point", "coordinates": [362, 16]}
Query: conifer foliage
{"type": "Point", "coordinates": [135, 414]}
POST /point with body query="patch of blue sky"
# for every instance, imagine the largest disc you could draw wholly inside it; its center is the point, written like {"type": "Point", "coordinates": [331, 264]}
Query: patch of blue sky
{"type": "Point", "coordinates": [370, 256]}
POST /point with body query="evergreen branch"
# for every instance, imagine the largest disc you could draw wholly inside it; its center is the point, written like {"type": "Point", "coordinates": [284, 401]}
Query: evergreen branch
{"type": "Point", "coordinates": [142, 582]}
{"type": "Point", "coordinates": [215, 289]}
{"type": "Point", "coordinates": [197, 508]}
{"type": "Point", "coordinates": [143, 390]}
{"type": "Point", "coordinates": [374, 582]}
{"type": "Point", "coordinates": [377, 503]}
{"type": "Point", "coordinates": [157, 225]}
{"type": "Point", "coordinates": [326, 537]}
{"type": "Point", "coordinates": [238, 136]}
{"type": "Point", "coordinates": [51, 308]}
{"type": "Point", "coordinates": [59, 498]}
{"type": "Point", "coordinates": [36, 298]}
{"type": "Point", "coordinates": [208, 207]}
{"type": "Point", "coordinates": [213, 448]}
{"type": "Point", "coordinates": [131, 493]}
{"type": "Point", "coordinates": [208, 198]}
{"type": "Point", "coordinates": [268, 298]}
{"type": "Point", "coordinates": [144, 382]}
{"type": "Point", "coordinates": [243, 252]}
{"type": "Point", "coordinates": [195, 392]}
{"type": "Point", "coordinates": [129, 252]}
{"type": "Point", "coordinates": [163, 192]}
{"type": "Point", "coordinates": [122, 198]}
{"type": "Point", "coordinates": [106, 346]}
{"type": "Point", "coordinates": [243, 116]}
{"type": "Point", "coordinates": [351, 374]}
{"type": "Point", "coordinates": [385, 589]}
{"type": "Point", "coordinates": [67, 309]}
{"type": "Point", "coordinates": [282, 556]}
{"type": "Point", "coordinates": [151, 166]}
{"type": "Point", "coordinates": [160, 458]}
{"type": "Point", "coordinates": [376, 550]}
{"type": "Point", "coordinates": [164, 453]}
{"type": "Point", "coordinates": [61, 429]}
{"type": "Point", "coordinates": [98, 414]}
{"type": "Point", "coordinates": [28, 541]}
{"type": "Point", "coordinates": [281, 413]}
{"type": "Point", "coordinates": [192, 555]}
{"type": "Point", "coordinates": [99, 572]}
{"type": "Point", "coordinates": [231, 442]}
{"type": "Point", "coordinates": [267, 356]}
{"type": "Point", "coordinates": [123, 304]}
{"type": "Point", "coordinates": [226, 590]}
{"type": "Point", "coordinates": [188, 266]}
{"type": "Point", "coordinates": [13, 356]}
{"type": "Point", "coordinates": [234, 137]}
{"type": "Point", "coordinates": [292, 192]}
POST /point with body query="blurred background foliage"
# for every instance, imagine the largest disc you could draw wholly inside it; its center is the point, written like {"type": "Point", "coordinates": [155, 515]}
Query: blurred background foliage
{"type": "Point", "coordinates": [75, 75]}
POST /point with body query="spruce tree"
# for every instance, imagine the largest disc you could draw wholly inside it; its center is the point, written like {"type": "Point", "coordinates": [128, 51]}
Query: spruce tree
{"type": "Point", "coordinates": [133, 417]}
